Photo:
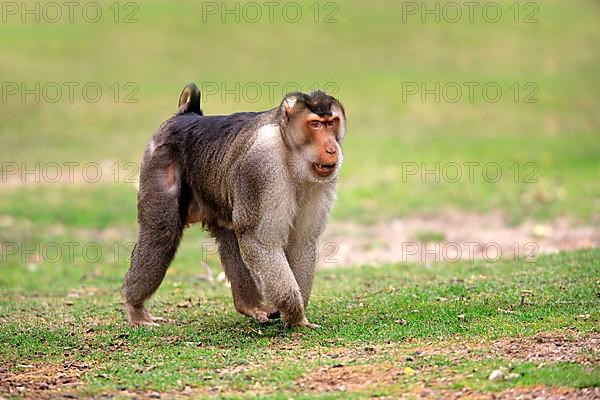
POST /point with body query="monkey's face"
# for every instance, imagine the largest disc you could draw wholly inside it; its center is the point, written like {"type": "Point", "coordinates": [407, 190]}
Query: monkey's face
{"type": "Point", "coordinates": [322, 135]}
{"type": "Point", "coordinates": [317, 128]}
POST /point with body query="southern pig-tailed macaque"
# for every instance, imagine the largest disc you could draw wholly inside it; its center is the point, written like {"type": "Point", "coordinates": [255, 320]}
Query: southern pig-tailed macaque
{"type": "Point", "coordinates": [262, 183]}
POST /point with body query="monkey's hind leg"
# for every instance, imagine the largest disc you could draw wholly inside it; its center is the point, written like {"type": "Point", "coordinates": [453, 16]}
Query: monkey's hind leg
{"type": "Point", "coordinates": [160, 230]}
{"type": "Point", "coordinates": [247, 296]}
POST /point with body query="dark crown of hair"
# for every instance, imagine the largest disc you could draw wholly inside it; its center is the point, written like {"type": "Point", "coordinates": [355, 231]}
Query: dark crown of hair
{"type": "Point", "coordinates": [317, 102]}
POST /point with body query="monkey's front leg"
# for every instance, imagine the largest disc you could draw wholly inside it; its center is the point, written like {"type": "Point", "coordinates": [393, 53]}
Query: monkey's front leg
{"type": "Point", "coordinates": [269, 264]}
{"type": "Point", "coordinates": [247, 297]}
{"type": "Point", "coordinates": [302, 256]}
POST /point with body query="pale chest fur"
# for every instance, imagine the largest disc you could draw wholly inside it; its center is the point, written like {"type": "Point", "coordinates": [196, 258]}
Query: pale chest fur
{"type": "Point", "coordinates": [313, 203]}
{"type": "Point", "coordinates": [297, 206]}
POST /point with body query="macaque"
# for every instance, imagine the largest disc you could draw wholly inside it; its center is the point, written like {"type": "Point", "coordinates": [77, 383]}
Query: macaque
{"type": "Point", "coordinates": [262, 183]}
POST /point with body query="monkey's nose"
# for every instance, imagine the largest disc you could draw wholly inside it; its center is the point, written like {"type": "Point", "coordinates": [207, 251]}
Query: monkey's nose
{"type": "Point", "coordinates": [330, 150]}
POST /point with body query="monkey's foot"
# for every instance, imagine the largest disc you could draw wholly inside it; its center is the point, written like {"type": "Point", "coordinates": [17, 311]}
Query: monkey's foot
{"type": "Point", "coordinates": [303, 324]}
{"type": "Point", "coordinates": [142, 322]}
{"type": "Point", "coordinates": [260, 313]}
{"type": "Point", "coordinates": [139, 316]}
{"type": "Point", "coordinates": [307, 325]}
{"type": "Point", "coordinates": [272, 311]}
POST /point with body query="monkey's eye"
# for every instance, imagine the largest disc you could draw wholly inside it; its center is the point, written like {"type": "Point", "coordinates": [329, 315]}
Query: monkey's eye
{"type": "Point", "coordinates": [316, 124]}
{"type": "Point", "coordinates": [330, 124]}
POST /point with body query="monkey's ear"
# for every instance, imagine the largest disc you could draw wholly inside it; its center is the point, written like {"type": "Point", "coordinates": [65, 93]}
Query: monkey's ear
{"type": "Point", "coordinates": [287, 106]}
{"type": "Point", "coordinates": [189, 100]}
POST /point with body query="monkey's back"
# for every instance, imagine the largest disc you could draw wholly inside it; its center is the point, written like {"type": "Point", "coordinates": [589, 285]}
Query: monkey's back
{"type": "Point", "coordinates": [210, 151]}
{"type": "Point", "coordinates": [203, 142]}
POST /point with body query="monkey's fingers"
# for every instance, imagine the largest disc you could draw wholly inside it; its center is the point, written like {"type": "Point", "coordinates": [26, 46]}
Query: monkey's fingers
{"type": "Point", "coordinates": [272, 311]}
{"type": "Point", "coordinates": [261, 316]}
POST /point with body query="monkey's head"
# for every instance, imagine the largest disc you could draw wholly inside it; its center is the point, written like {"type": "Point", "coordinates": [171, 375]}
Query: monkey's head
{"type": "Point", "coordinates": [313, 126]}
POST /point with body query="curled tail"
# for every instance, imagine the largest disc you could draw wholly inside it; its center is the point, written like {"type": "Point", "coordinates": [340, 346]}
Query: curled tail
{"type": "Point", "coordinates": [189, 100]}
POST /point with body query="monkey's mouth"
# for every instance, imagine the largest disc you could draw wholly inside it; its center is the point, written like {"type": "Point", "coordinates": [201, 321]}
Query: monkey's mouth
{"type": "Point", "coordinates": [324, 170]}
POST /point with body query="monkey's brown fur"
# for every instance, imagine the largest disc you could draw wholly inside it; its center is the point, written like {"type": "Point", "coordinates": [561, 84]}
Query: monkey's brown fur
{"type": "Point", "coordinates": [261, 183]}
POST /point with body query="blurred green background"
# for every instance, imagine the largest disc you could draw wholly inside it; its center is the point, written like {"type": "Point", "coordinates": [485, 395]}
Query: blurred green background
{"type": "Point", "coordinates": [368, 53]}
{"type": "Point", "coordinates": [55, 310]}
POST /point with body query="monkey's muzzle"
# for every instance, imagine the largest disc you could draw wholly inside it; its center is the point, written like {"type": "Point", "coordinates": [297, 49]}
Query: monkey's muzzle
{"type": "Point", "coordinates": [324, 170]}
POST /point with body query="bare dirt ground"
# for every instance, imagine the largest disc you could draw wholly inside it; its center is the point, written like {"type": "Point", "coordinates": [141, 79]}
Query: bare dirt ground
{"type": "Point", "coordinates": [534, 393]}
{"type": "Point", "coordinates": [354, 378]}
{"type": "Point", "coordinates": [360, 368]}
{"type": "Point", "coordinates": [545, 347]}
{"type": "Point", "coordinates": [351, 374]}
{"type": "Point", "coordinates": [40, 378]}
{"type": "Point", "coordinates": [450, 237]}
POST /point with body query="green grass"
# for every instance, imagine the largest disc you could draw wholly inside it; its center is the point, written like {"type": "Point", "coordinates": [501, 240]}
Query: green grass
{"type": "Point", "coordinates": [57, 315]}
{"type": "Point", "coordinates": [357, 308]}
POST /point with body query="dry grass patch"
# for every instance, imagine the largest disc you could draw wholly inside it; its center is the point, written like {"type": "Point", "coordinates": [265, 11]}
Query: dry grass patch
{"type": "Point", "coordinates": [349, 377]}
{"type": "Point", "coordinates": [40, 380]}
